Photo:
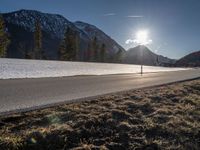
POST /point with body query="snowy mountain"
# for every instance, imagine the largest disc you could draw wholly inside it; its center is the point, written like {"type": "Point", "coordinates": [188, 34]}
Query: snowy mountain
{"type": "Point", "coordinates": [21, 24]}
{"type": "Point", "coordinates": [190, 60]}
{"type": "Point", "coordinates": [53, 24]}
{"type": "Point", "coordinates": [140, 54]}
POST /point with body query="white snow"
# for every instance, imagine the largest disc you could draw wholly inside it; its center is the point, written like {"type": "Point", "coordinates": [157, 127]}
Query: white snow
{"type": "Point", "coordinates": [20, 68]}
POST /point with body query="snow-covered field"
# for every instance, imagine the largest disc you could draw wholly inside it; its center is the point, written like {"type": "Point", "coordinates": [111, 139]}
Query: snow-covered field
{"type": "Point", "coordinates": [20, 68]}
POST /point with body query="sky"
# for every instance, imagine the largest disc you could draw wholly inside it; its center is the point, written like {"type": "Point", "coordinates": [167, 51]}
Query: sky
{"type": "Point", "coordinates": [173, 26]}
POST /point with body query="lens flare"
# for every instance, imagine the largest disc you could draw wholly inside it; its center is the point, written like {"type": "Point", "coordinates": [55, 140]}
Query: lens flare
{"type": "Point", "coordinates": [142, 37]}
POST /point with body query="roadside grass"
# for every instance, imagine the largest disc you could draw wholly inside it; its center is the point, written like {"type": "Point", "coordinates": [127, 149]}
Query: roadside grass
{"type": "Point", "coordinates": [165, 117]}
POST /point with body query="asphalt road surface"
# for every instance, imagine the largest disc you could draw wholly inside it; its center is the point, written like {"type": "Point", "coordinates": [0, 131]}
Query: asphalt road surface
{"type": "Point", "coordinates": [23, 94]}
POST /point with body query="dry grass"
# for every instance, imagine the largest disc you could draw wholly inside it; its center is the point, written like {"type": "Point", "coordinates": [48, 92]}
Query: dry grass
{"type": "Point", "coordinates": [166, 117]}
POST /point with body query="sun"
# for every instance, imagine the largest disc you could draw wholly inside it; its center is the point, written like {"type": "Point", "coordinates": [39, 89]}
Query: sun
{"type": "Point", "coordinates": [142, 37]}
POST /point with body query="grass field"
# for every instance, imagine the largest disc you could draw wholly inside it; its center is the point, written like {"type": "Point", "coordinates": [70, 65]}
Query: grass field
{"type": "Point", "coordinates": [165, 117]}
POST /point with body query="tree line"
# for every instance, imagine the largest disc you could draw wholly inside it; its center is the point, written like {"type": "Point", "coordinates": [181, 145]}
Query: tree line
{"type": "Point", "coordinates": [69, 48]}
{"type": "Point", "coordinates": [37, 53]}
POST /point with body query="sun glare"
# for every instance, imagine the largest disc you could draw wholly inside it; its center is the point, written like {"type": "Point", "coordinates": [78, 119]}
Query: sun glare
{"type": "Point", "coordinates": [142, 37]}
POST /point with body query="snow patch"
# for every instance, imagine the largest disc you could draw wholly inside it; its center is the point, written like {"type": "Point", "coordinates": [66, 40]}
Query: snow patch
{"type": "Point", "coordinates": [20, 68]}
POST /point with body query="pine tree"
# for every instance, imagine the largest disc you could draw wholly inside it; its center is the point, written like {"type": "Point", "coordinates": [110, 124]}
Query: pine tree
{"type": "Point", "coordinates": [95, 49]}
{"type": "Point", "coordinates": [4, 41]}
{"type": "Point", "coordinates": [90, 53]}
{"type": "Point", "coordinates": [69, 47]}
{"type": "Point", "coordinates": [70, 44]}
{"type": "Point", "coordinates": [103, 52]}
{"type": "Point", "coordinates": [62, 51]}
{"type": "Point", "coordinates": [38, 40]}
{"type": "Point", "coordinates": [77, 46]}
{"type": "Point", "coordinates": [63, 54]}
{"type": "Point", "coordinates": [118, 57]}
{"type": "Point", "coordinates": [22, 49]}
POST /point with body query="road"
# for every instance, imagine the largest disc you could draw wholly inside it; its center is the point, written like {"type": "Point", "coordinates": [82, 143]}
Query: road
{"type": "Point", "coordinates": [30, 93]}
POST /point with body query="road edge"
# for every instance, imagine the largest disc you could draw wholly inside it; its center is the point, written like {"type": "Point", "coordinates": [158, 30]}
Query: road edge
{"type": "Point", "coordinates": [34, 108]}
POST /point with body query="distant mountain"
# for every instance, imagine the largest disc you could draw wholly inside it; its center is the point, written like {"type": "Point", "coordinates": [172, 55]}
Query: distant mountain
{"type": "Point", "coordinates": [20, 25]}
{"type": "Point", "coordinates": [142, 54]}
{"type": "Point", "coordinates": [190, 60]}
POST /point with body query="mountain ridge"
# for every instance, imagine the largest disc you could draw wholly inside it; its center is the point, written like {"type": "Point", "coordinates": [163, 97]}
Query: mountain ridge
{"type": "Point", "coordinates": [190, 60]}
{"type": "Point", "coordinates": [143, 55]}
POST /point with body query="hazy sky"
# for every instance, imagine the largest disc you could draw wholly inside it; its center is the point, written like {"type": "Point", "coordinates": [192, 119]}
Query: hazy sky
{"type": "Point", "coordinates": [173, 25]}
